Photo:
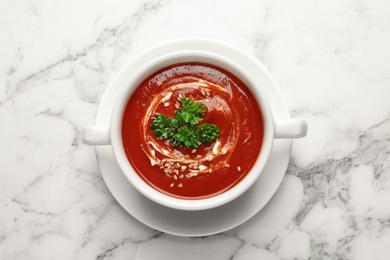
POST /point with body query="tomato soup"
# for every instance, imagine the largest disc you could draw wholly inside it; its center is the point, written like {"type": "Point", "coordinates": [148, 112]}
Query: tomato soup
{"type": "Point", "coordinates": [213, 167]}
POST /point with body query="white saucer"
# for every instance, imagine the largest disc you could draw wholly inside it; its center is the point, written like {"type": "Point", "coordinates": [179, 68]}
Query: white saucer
{"type": "Point", "coordinates": [206, 222]}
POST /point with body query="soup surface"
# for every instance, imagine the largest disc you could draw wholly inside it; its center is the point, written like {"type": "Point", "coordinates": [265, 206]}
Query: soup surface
{"type": "Point", "coordinates": [211, 168]}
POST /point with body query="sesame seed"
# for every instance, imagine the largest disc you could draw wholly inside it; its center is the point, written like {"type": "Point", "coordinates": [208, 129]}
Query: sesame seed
{"type": "Point", "coordinates": [172, 184]}
{"type": "Point", "coordinates": [202, 168]}
{"type": "Point", "coordinates": [193, 173]}
{"type": "Point", "coordinates": [180, 185]}
{"type": "Point", "coordinates": [239, 168]}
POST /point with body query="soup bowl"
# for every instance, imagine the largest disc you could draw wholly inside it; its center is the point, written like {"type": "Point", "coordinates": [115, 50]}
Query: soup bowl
{"type": "Point", "coordinates": [113, 134]}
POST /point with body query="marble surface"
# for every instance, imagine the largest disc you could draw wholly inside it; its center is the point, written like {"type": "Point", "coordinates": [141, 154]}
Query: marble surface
{"type": "Point", "coordinates": [330, 58]}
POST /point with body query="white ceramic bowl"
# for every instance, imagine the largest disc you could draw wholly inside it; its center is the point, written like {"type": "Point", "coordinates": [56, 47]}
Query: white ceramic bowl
{"type": "Point", "coordinates": [273, 128]}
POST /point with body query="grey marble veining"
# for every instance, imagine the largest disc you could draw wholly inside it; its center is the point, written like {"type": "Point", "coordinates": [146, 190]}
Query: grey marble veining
{"type": "Point", "coordinates": [330, 59]}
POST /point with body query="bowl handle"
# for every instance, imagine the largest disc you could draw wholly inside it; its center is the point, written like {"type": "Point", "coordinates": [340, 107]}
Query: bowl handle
{"type": "Point", "coordinates": [290, 128]}
{"type": "Point", "coordinates": [95, 135]}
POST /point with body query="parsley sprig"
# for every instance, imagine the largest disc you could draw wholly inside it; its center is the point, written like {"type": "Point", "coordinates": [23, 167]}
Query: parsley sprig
{"type": "Point", "coordinates": [183, 130]}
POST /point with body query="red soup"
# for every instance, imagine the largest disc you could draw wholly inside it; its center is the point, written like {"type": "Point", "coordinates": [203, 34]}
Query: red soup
{"type": "Point", "coordinates": [210, 167]}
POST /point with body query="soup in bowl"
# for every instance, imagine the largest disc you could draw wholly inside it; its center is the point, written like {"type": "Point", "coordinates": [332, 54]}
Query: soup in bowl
{"type": "Point", "coordinates": [191, 130]}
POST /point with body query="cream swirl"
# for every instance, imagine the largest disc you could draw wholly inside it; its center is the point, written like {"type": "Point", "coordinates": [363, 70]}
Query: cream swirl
{"type": "Point", "coordinates": [190, 163]}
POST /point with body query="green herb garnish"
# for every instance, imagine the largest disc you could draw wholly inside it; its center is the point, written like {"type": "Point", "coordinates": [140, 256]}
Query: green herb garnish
{"type": "Point", "coordinates": [183, 130]}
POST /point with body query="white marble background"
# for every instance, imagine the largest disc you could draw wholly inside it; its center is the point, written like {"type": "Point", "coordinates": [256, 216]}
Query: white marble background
{"type": "Point", "coordinates": [330, 58]}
